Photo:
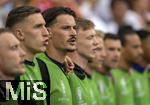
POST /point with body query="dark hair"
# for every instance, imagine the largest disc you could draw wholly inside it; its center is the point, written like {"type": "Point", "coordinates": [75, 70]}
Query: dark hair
{"type": "Point", "coordinates": [143, 34]}
{"type": "Point", "coordinates": [84, 24]}
{"type": "Point", "coordinates": [125, 31]}
{"type": "Point", "coordinates": [111, 36]}
{"type": "Point", "coordinates": [19, 14]}
{"type": "Point", "coordinates": [113, 2]}
{"type": "Point", "coordinates": [51, 14]}
{"type": "Point", "coordinates": [131, 3]}
{"type": "Point", "coordinates": [4, 30]}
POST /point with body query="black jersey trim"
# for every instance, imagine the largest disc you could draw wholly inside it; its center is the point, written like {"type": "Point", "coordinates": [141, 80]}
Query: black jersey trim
{"type": "Point", "coordinates": [45, 77]}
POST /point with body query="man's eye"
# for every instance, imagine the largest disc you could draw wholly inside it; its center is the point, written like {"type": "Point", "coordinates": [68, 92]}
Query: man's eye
{"type": "Point", "coordinates": [90, 37]}
{"type": "Point", "coordinates": [38, 25]}
{"type": "Point", "coordinates": [75, 27]}
{"type": "Point", "coordinates": [119, 50]}
{"type": "Point", "coordinates": [14, 47]}
{"type": "Point", "coordinates": [67, 27]}
{"type": "Point", "coordinates": [111, 49]}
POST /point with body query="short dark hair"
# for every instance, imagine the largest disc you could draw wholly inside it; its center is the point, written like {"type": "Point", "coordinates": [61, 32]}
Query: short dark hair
{"type": "Point", "coordinates": [19, 14]}
{"type": "Point", "coordinates": [143, 34]}
{"type": "Point", "coordinates": [111, 36]}
{"type": "Point", "coordinates": [84, 24]}
{"type": "Point", "coordinates": [51, 14]}
{"type": "Point", "coordinates": [125, 31]}
{"type": "Point", "coordinates": [4, 30]}
{"type": "Point", "coordinates": [113, 2]}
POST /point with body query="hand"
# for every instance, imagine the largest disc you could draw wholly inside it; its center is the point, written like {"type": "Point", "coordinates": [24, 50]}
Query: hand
{"type": "Point", "coordinates": [69, 65]}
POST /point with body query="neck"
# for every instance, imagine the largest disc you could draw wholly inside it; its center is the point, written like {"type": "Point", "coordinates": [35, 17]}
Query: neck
{"type": "Point", "coordinates": [105, 69]}
{"type": "Point", "coordinates": [29, 55]}
{"type": "Point", "coordinates": [56, 54]}
{"type": "Point", "coordinates": [89, 70]}
{"type": "Point", "coordinates": [94, 66]}
{"type": "Point", "coordinates": [4, 77]}
{"type": "Point", "coordinates": [123, 64]}
{"type": "Point", "coordinates": [79, 60]}
{"type": "Point", "coordinates": [143, 63]}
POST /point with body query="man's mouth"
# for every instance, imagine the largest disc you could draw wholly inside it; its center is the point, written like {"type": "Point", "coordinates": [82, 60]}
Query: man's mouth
{"type": "Point", "coordinates": [95, 49]}
{"type": "Point", "coordinates": [45, 43]}
{"type": "Point", "coordinates": [114, 60]}
{"type": "Point", "coordinates": [72, 40]}
{"type": "Point", "coordinates": [21, 63]}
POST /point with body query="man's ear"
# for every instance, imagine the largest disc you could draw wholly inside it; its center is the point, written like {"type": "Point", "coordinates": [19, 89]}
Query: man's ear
{"type": "Point", "coordinates": [19, 34]}
{"type": "Point", "coordinates": [50, 32]}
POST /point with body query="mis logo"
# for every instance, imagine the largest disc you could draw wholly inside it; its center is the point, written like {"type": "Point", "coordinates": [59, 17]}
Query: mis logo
{"type": "Point", "coordinates": [26, 90]}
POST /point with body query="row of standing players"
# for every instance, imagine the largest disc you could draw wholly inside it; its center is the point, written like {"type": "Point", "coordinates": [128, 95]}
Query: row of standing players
{"type": "Point", "coordinates": [98, 76]}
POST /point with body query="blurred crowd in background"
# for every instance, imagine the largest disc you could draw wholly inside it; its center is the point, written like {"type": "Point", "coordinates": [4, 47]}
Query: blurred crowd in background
{"type": "Point", "coordinates": [107, 15]}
